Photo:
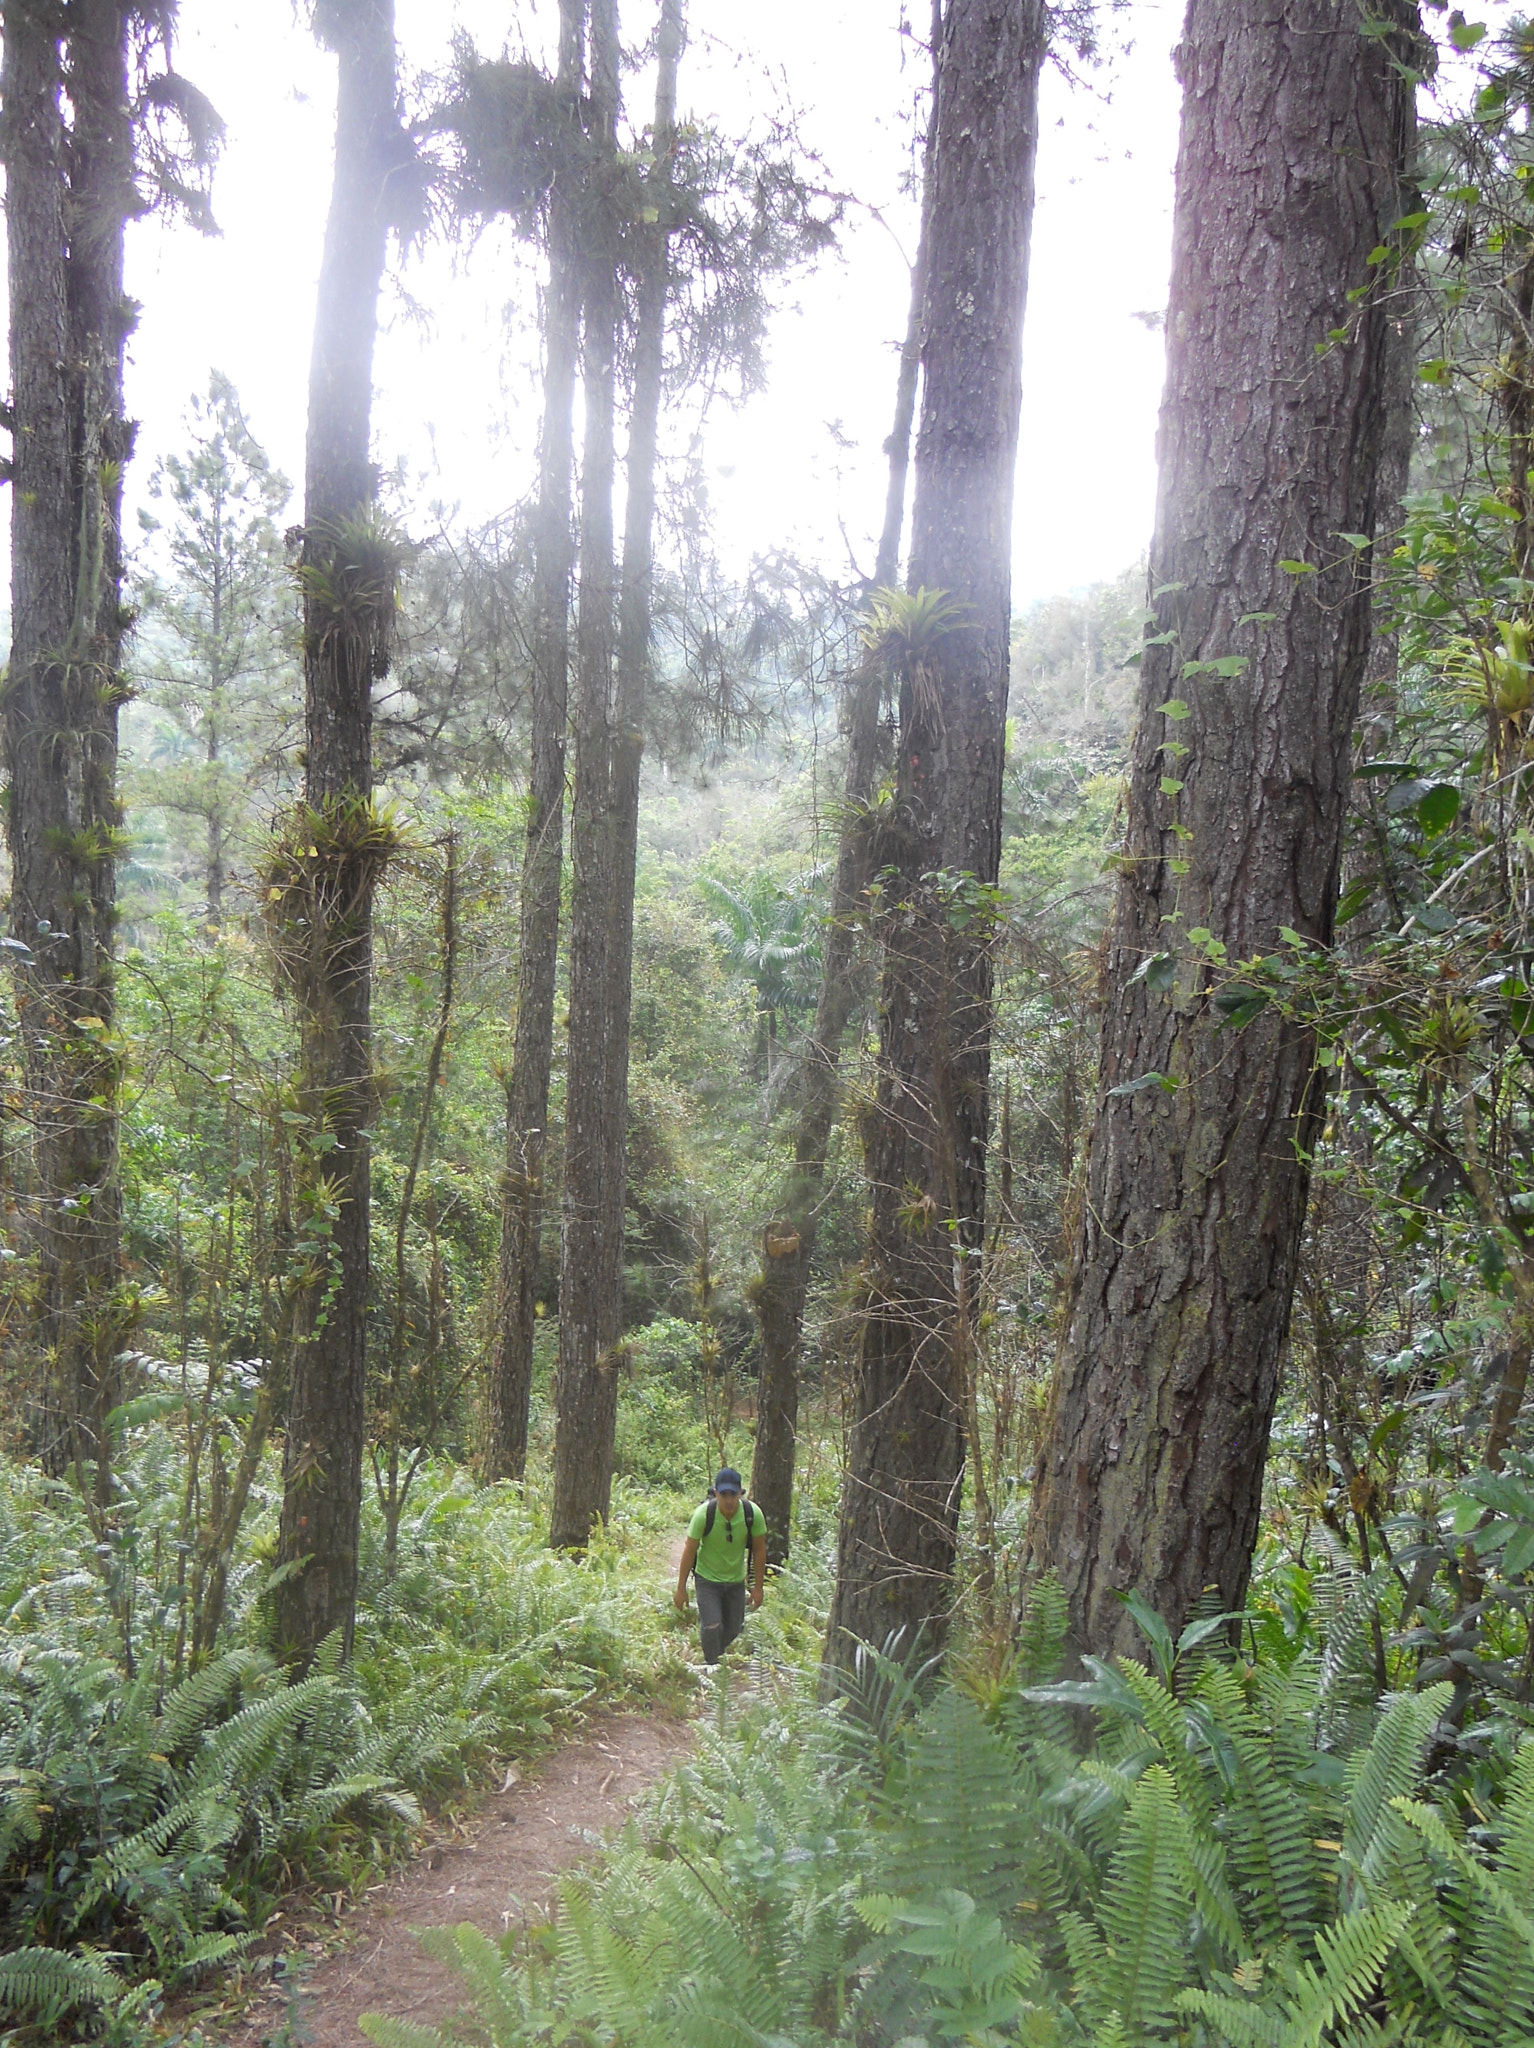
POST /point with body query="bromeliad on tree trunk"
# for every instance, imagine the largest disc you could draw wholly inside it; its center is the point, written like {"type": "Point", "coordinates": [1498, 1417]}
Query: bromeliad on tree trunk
{"type": "Point", "coordinates": [331, 854]}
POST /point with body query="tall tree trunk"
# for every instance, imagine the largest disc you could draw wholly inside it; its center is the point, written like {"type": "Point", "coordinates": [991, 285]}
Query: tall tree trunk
{"type": "Point", "coordinates": [347, 572]}
{"type": "Point", "coordinates": [591, 1247]}
{"type": "Point", "coordinates": [217, 822]}
{"type": "Point", "coordinates": [1295, 130]}
{"type": "Point", "coordinates": [636, 592]}
{"type": "Point", "coordinates": [527, 1095]}
{"type": "Point", "coordinates": [788, 1243]}
{"type": "Point", "coordinates": [926, 1154]}
{"type": "Point", "coordinates": [68, 194]}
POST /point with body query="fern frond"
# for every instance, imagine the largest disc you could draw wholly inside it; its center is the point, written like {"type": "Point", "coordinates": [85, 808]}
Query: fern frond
{"type": "Point", "coordinates": [963, 1819]}
{"type": "Point", "coordinates": [1498, 1973]}
{"type": "Point", "coordinates": [492, 1982]}
{"type": "Point", "coordinates": [237, 1751]}
{"type": "Point", "coordinates": [325, 1801]}
{"type": "Point", "coordinates": [1295, 2004]}
{"type": "Point", "coordinates": [1386, 1772]}
{"type": "Point", "coordinates": [45, 1983]}
{"type": "Point", "coordinates": [402, 2033]}
{"type": "Point", "coordinates": [206, 1951]}
{"type": "Point", "coordinates": [1143, 1914]}
{"type": "Point", "coordinates": [1273, 1851]}
{"type": "Point", "coordinates": [20, 1822]}
{"type": "Point", "coordinates": [1350, 1954]}
{"type": "Point", "coordinates": [196, 1702]}
{"type": "Point", "coordinates": [1166, 1719]}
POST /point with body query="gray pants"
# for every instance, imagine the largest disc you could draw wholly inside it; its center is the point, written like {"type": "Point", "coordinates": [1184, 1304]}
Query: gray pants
{"type": "Point", "coordinates": [721, 1615]}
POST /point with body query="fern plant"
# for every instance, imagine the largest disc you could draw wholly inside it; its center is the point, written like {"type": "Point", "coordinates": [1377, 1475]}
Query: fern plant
{"type": "Point", "coordinates": [1229, 1863]}
{"type": "Point", "coordinates": [143, 1828]}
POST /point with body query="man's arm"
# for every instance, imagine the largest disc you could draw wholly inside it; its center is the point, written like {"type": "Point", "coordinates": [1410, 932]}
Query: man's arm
{"type": "Point", "coordinates": [684, 1571]}
{"type": "Point", "coordinates": [758, 1568]}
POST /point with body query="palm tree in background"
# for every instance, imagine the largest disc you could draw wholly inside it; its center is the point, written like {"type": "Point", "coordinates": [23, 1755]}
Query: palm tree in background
{"type": "Point", "coordinates": [769, 935]}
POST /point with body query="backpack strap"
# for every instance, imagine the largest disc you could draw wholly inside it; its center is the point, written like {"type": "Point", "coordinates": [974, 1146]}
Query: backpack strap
{"type": "Point", "coordinates": [708, 1524]}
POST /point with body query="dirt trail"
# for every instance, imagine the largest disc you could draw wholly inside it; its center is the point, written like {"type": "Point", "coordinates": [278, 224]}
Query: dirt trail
{"type": "Point", "coordinates": [502, 1868]}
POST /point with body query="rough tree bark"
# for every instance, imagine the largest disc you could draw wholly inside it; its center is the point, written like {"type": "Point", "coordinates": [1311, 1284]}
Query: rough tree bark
{"type": "Point", "coordinates": [788, 1242]}
{"type": "Point", "coordinates": [527, 1095]}
{"type": "Point", "coordinates": [591, 1235]}
{"type": "Point", "coordinates": [69, 191]}
{"type": "Point", "coordinates": [583, 1452]}
{"type": "Point", "coordinates": [926, 1144]}
{"type": "Point", "coordinates": [347, 573]}
{"type": "Point", "coordinates": [1295, 127]}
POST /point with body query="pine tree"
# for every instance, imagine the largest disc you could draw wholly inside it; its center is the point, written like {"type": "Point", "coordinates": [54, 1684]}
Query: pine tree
{"type": "Point", "coordinates": [788, 1241]}
{"type": "Point", "coordinates": [1295, 142]}
{"type": "Point", "coordinates": [614, 676]}
{"type": "Point", "coordinates": [77, 170]}
{"type": "Point", "coordinates": [950, 635]}
{"type": "Point", "coordinates": [215, 654]}
{"type": "Point", "coordinates": [527, 1094]}
{"type": "Point", "coordinates": [327, 865]}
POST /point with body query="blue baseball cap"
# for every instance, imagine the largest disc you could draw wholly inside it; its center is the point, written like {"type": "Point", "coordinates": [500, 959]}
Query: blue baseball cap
{"type": "Point", "coordinates": [727, 1480]}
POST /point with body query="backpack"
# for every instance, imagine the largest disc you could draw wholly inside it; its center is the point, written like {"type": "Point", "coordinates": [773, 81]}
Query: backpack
{"type": "Point", "coordinates": [713, 1510]}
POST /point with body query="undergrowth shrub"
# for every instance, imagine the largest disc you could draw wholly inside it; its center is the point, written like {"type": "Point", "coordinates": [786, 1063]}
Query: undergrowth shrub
{"type": "Point", "coordinates": [1206, 1851]}
{"type": "Point", "coordinates": [150, 1817]}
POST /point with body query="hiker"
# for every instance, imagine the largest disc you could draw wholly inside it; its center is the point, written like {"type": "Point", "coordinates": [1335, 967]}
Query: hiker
{"type": "Point", "coordinates": [725, 1536]}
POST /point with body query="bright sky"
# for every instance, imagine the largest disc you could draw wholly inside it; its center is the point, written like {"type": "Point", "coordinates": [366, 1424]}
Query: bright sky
{"type": "Point", "coordinates": [457, 366]}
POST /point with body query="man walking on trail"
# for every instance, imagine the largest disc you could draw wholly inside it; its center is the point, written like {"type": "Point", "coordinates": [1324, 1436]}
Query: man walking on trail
{"type": "Point", "coordinates": [719, 1537]}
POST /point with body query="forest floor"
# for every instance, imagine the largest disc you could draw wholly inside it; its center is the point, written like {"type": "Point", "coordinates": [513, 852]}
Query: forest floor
{"type": "Point", "coordinates": [497, 1866]}
{"type": "Point", "coordinates": [498, 1870]}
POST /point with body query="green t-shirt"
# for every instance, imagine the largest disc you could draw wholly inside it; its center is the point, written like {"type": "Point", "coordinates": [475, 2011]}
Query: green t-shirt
{"type": "Point", "coordinates": [722, 1552]}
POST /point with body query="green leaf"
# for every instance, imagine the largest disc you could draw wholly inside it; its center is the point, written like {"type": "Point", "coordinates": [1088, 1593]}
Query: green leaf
{"type": "Point", "coordinates": [1298, 568]}
{"type": "Point", "coordinates": [1239, 1007]}
{"type": "Point", "coordinates": [146, 1408]}
{"type": "Point", "coordinates": [1438, 808]}
{"type": "Point", "coordinates": [1153, 1628]}
{"type": "Point", "coordinates": [1433, 917]}
{"type": "Point", "coordinates": [1175, 709]}
{"type": "Point", "coordinates": [1144, 1081]}
{"type": "Point", "coordinates": [1464, 35]}
{"type": "Point", "coordinates": [1158, 972]}
{"type": "Point", "coordinates": [1170, 785]}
